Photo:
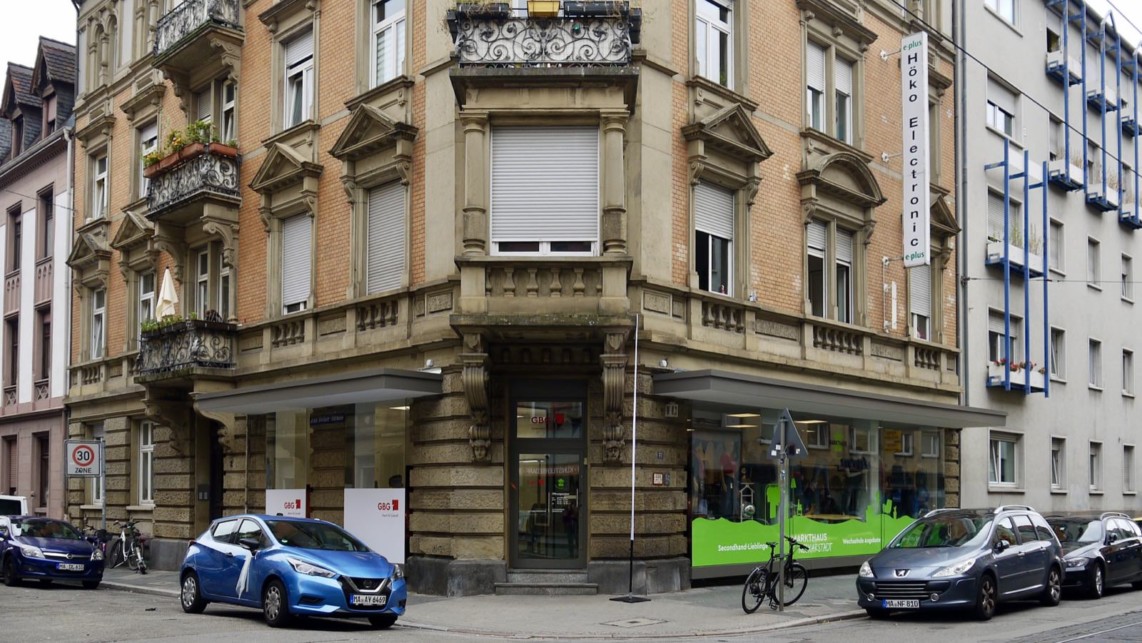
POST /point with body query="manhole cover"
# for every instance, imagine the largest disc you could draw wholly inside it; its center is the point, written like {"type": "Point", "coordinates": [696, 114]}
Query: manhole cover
{"type": "Point", "coordinates": [635, 622]}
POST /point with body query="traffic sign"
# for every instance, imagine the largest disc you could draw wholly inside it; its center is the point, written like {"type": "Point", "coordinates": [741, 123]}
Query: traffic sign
{"type": "Point", "coordinates": [84, 458]}
{"type": "Point", "coordinates": [786, 439]}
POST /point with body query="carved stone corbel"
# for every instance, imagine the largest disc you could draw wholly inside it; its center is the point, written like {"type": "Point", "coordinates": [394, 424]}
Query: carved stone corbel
{"type": "Point", "coordinates": [230, 423]}
{"type": "Point", "coordinates": [475, 379]}
{"type": "Point", "coordinates": [227, 232]}
{"type": "Point", "coordinates": [614, 362]}
{"type": "Point", "coordinates": [751, 188]}
{"type": "Point", "coordinates": [173, 414]}
{"type": "Point", "coordinates": [696, 167]}
{"type": "Point", "coordinates": [175, 248]}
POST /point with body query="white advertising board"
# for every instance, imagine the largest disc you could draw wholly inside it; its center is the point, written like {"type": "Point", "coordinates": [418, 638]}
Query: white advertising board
{"type": "Point", "coordinates": [84, 458]}
{"type": "Point", "coordinates": [286, 502]}
{"type": "Point", "coordinates": [376, 516]}
{"type": "Point", "coordinates": [914, 96]}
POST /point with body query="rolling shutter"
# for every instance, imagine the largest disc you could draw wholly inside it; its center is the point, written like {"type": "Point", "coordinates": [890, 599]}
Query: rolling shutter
{"type": "Point", "coordinates": [815, 67]}
{"type": "Point", "coordinates": [843, 70]}
{"type": "Point", "coordinates": [1001, 96]}
{"type": "Point", "coordinates": [844, 246]}
{"type": "Point", "coordinates": [816, 235]}
{"type": "Point", "coordinates": [386, 243]}
{"type": "Point", "coordinates": [714, 210]}
{"type": "Point", "coordinates": [922, 290]}
{"type": "Point", "coordinates": [296, 259]}
{"type": "Point", "coordinates": [995, 216]}
{"type": "Point", "coordinates": [299, 49]}
{"type": "Point", "coordinates": [545, 184]}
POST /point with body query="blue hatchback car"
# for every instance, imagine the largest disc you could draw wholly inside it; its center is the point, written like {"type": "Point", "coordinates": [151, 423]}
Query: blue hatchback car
{"type": "Point", "coordinates": [290, 567]}
{"type": "Point", "coordinates": [47, 550]}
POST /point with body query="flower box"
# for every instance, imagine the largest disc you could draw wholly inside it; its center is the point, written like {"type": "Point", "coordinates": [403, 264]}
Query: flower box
{"type": "Point", "coordinates": [187, 153]}
{"type": "Point", "coordinates": [1070, 172]}
{"type": "Point", "coordinates": [497, 9]}
{"type": "Point", "coordinates": [1015, 256]}
{"type": "Point", "coordinates": [595, 8]}
{"type": "Point", "coordinates": [542, 8]}
{"type": "Point", "coordinates": [1019, 375]}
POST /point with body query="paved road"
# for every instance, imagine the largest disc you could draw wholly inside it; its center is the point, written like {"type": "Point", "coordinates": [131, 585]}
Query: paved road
{"type": "Point", "coordinates": [61, 613]}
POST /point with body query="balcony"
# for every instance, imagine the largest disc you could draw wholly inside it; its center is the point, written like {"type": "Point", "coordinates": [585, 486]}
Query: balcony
{"type": "Point", "coordinates": [12, 293]}
{"type": "Point", "coordinates": [1055, 68]}
{"type": "Point", "coordinates": [1130, 127]}
{"type": "Point", "coordinates": [498, 39]}
{"type": "Point", "coordinates": [198, 179]}
{"type": "Point", "coordinates": [189, 34]}
{"type": "Point", "coordinates": [1067, 176]}
{"type": "Point", "coordinates": [1129, 215]}
{"type": "Point", "coordinates": [1102, 202]}
{"type": "Point", "coordinates": [1107, 102]}
{"type": "Point", "coordinates": [1020, 372]}
{"type": "Point", "coordinates": [186, 349]}
{"type": "Point", "coordinates": [1015, 256]}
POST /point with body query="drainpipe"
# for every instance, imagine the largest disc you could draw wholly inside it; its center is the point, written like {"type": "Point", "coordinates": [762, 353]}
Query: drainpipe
{"type": "Point", "coordinates": [959, 23]}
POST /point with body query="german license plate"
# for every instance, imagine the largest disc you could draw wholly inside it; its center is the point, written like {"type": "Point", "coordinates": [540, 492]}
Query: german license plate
{"type": "Point", "coordinates": [71, 567]}
{"type": "Point", "coordinates": [368, 600]}
{"type": "Point", "coordinates": [901, 605]}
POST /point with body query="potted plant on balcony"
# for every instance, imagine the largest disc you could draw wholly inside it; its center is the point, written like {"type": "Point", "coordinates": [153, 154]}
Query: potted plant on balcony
{"type": "Point", "coordinates": [542, 8]}
{"type": "Point", "coordinates": [595, 8]}
{"type": "Point", "coordinates": [483, 8]}
{"type": "Point", "coordinates": [196, 139]}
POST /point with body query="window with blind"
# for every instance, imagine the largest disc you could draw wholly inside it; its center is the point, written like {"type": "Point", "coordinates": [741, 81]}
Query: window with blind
{"type": "Point", "coordinates": [713, 40]}
{"type": "Point", "coordinates": [298, 79]}
{"type": "Point", "coordinates": [99, 187]}
{"type": "Point", "coordinates": [1001, 104]}
{"type": "Point", "coordinates": [829, 87]}
{"type": "Point", "coordinates": [1002, 345]}
{"type": "Point", "coordinates": [146, 458]}
{"type": "Point", "coordinates": [996, 220]}
{"type": "Point", "coordinates": [385, 238]}
{"type": "Point", "coordinates": [148, 142]}
{"type": "Point", "coordinates": [545, 190]}
{"type": "Point", "coordinates": [98, 337]}
{"type": "Point", "coordinates": [816, 289]}
{"type": "Point", "coordinates": [388, 40]}
{"type": "Point", "coordinates": [713, 237]}
{"type": "Point", "coordinates": [1093, 263]}
{"type": "Point", "coordinates": [1055, 247]}
{"type": "Point", "coordinates": [829, 298]}
{"type": "Point", "coordinates": [296, 262]}
{"type": "Point", "coordinates": [920, 301]}
{"type": "Point", "coordinates": [1058, 353]}
{"type": "Point", "coordinates": [815, 81]}
{"type": "Point", "coordinates": [1094, 363]}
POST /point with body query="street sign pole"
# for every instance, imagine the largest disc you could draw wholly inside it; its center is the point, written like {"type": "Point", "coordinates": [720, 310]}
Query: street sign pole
{"type": "Point", "coordinates": [786, 444]}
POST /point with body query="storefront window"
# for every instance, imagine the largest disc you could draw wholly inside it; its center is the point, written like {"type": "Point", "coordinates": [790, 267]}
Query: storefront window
{"type": "Point", "coordinates": [856, 485]}
{"type": "Point", "coordinates": [376, 440]}
{"type": "Point", "coordinates": [287, 450]}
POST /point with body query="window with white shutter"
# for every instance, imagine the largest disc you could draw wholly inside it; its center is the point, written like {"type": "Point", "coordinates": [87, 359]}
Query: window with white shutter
{"type": "Point", "coordinates": [296, 262]}
{"type": "Point", "coordinates": [385, 254]}
{"type": "Point", "coordinates": [713, 238]}
{"type": "Point", "coordinates": [545, 190]}
{"type": "Point", "coordinates": [816, 240]}
{"type": "Point", "coordinates": [298, 79]}
{"type": "Point", "coordinates": [713, 40]}
{"type": "Point", "coordinates": [815, 80]}
{"type": "Point", "coordinates": [844, 272]}
{"type": "Point", "coordinates": [920, 280]}
{"type": "Point", "coordinates": [388, 20]}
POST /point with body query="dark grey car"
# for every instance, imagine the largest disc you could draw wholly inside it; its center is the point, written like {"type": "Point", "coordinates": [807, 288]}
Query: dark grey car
{"type": "Point", "coordinates": [964, 559]}
{"type": "Point", "coordinates": [1099, 550]}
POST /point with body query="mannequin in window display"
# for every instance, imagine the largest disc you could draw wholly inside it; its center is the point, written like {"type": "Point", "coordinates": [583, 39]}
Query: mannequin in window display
{"type": "Point", "coordinates": [729, 469]}
{"type": "Point", "coordinates": [698, 480]}
{"type": "Point", "coordinates": [854, 470]}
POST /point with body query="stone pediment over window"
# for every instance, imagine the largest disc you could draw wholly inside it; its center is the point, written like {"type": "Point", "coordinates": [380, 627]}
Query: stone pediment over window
{"type": "Point", "coordinates": [731, 132]}
{"type": "Point", "coordinates": [843, 16]}
{"type": "Point", "coordinates": [148, 95]}
{"type": "Point", "coordinates": [842, 176]}
{"type": "Point", "coordinates": [369, 131]}
{"type": "Point", "coordinates": [90, 258]}
{"type": "Point", "coordinates": [98, 128]}
{"type": "Point", "coordinates": [135, 242]}
{"type": "Point", "coordinates": [287, 182]}
{"type": "Point", "coordinates": [944, 222]}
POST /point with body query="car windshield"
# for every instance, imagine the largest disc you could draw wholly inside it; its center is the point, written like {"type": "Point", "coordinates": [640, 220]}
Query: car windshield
{"type": "Point", "coordinates": [314, 535]}
{"type": "Point", "coordinates": [40, 528]}
{"type": "Point", "coordinates": [1077, 530]}
{"type": "Point", "coordinates": [944, 531]}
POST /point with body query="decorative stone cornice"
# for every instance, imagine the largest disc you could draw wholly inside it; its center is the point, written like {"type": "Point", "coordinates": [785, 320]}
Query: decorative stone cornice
{"type": "Point", "coordinates": [474, 376]}
{"type": "Point", "coordinates": [614, 362]}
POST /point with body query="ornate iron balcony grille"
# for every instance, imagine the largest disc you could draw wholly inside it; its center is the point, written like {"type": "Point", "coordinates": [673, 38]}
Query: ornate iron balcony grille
{"type": "Point", "coordinates": [199, 176]}
{"type": "Point", "coordinates": [184, 19]}
{"type": "Point", "coordinates": [494, 41]}
{"type": "Point", "coordinates": [185, 345]}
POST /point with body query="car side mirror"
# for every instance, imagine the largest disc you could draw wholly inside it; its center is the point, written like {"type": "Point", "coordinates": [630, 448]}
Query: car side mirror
{"type": "Point", "coordinates": [1001, 546]}
{"type": "Point", "coordinates": [250, 543]}
{"type": "Point", "coordinates": [1111, 539]}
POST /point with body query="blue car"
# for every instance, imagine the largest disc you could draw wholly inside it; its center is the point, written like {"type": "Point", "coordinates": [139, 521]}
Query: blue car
{"type": "Point", "coordinates": [45, 549]}
{"type": "Point", "coordinates": [290, 567]}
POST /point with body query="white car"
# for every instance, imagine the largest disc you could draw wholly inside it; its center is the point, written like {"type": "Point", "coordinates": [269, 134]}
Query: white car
{"type": "Point", "coordinates": [13, 506]}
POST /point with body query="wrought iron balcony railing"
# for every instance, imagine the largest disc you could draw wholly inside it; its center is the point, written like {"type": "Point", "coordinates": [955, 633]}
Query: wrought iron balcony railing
{"type": "Point", "coordinates": [208, 174]}
{"type": "Point", "coordinates": [187, 17]}
{"type": "Point", "coordinates": [175, 349]}
{"type": "Point", "coordinates": [492, 40]}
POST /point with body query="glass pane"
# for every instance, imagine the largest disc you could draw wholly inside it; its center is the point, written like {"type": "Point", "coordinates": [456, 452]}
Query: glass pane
{"type": "Point", "coordinates": [548, 522]}
{"type": "Point", "coordinates": [549, 420]}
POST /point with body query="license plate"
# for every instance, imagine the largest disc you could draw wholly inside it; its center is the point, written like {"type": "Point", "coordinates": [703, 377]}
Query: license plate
{"type": "Point", "coordinates": [71, 567]}
{"type": "Point", "coordinates": [368, 600]}
{"type": "Point", "coordinates": [901, 605]}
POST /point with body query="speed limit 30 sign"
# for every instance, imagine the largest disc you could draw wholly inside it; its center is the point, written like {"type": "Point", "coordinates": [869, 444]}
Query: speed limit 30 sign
{"type": "Point", "coordinates": [84, 458]}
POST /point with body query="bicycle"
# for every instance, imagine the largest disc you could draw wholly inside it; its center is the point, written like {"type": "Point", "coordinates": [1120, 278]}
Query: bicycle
{"type": "Point", "coordinates": [128, 548]}
{"type": "Point", "coordinates": [97, 537]}
{"type": "Point", "coordinates": [762, 581]}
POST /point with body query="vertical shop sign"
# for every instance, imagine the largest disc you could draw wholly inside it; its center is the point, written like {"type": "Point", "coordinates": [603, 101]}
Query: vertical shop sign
{"type": "Point", "coordinates": [914, 96]}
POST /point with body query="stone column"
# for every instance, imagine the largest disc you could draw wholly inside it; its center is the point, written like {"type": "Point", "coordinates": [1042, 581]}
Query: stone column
{"type": "Point", "coordinates": [475, 183]}
{"type": "Point", "coordinates": [614, 185]}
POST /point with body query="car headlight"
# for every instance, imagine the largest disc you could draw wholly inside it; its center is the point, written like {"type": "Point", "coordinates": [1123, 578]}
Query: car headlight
{"type": "Point", "coordinates": [398, 571]}
{"type": "Point", "coordinates": [1077, 563]}
{"type": "Point", "coordinates": [865, 570]}
{"type": "Point", "coordinates": [96, 554]}
{"type": "Point", "coordinates": [309, 569]}
{"type": "Point", "coordinates": [955, 570]}
{"type": "Point", "coordinates": [31, 551]}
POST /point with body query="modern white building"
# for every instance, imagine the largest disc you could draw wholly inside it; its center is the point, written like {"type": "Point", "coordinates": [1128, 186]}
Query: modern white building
{"type": "Point", "coordinates": [1047, 183]}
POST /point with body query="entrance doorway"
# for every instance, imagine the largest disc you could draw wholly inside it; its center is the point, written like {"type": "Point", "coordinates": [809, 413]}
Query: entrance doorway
{"type": "Point", "coordinates": [548, 476]}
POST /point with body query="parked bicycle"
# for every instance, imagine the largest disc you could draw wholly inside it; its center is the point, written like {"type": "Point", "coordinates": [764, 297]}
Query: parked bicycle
{"type": "Point", "coordinates": [128, 548]}
{"type": "Point", "coordinates": [762, 581]}
{"type": "Point", "coordinates": [98, 537]}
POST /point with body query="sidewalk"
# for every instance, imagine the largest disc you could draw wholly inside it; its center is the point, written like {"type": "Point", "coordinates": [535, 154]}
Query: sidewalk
{"type": "Point", "coordinates": [703, 611]}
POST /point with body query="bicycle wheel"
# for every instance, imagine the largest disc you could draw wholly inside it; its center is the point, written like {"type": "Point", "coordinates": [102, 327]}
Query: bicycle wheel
{"type": "Point", "coordinates": [754, 590]}
{"type": "Point", "coordinates": [796, 578]}
{"type": "Point", "coordinates": [115, 554]}
{"type": "Point", "coordinates": [132, 552]}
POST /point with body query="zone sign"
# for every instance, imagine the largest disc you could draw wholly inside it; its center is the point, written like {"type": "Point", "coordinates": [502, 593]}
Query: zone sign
{"type": "Point", "coordinates": [84, 458]}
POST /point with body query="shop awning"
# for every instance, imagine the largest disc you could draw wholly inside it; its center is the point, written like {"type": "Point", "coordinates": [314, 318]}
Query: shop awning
{"type": "Point", "coordinates": [726, 391]}
{"type": "Point", "coordinates": [355, 387]}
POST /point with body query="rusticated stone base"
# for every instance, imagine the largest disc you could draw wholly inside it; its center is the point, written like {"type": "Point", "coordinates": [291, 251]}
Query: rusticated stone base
{"type": "Point", "coordinates": [650, 576]}
{"type": "Point", "coordinates": [166, 554]}
{"type": "Point", "coordinates": [450, 577]}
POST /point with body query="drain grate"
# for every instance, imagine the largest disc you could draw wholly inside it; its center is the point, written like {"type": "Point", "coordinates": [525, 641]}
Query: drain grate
{"type": "Point", "coordinates": [635, 622]}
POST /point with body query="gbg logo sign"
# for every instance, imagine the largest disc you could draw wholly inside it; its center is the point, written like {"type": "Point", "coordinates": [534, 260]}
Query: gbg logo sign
{"type": "Point", "coordinates": [392, 505]}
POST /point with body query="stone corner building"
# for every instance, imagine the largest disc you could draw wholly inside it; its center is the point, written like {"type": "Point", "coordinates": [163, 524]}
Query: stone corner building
{"type": "Point", "coordinates": [444, 229]}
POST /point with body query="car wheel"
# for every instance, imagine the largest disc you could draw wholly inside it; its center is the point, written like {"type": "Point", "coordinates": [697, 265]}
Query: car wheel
{"type": "Point", "coordinates": [1097, 584]}
{"type": "Point", "coordinates": [11, 576]}
{"type": "Point", "coordinates": [190, 595]}
{"type": "Point", "coordinates": [985, 598]}
{"type": "Point", "coordinates": [90, 584]}
{"type": "Point", "coordinates": [383, 621]}
{"type": "Point", "coordinates": [876, 614]}
{"type": "Point", "coordinates": [275, 604]}
{"type": "Point", "coordinates": [1054, 590]}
